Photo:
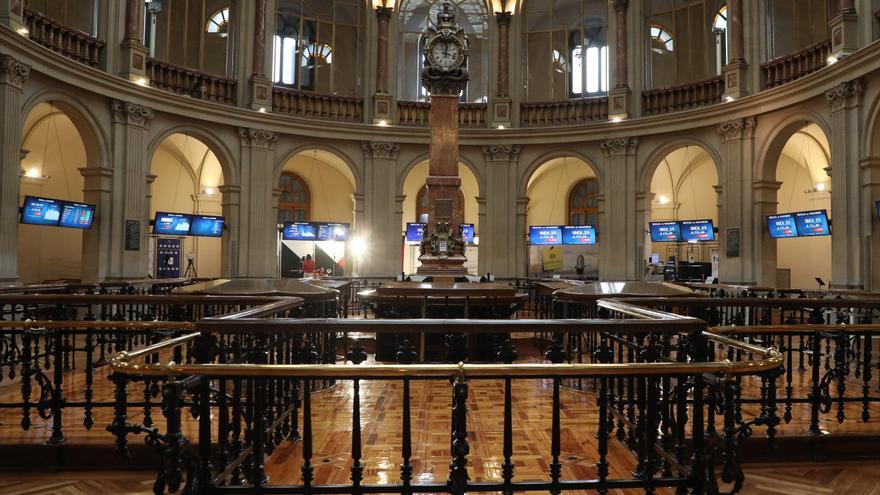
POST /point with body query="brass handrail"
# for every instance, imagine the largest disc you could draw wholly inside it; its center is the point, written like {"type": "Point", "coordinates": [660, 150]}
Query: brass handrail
{"type": "Point", "coordinates": [796, 329]}
{"type": "Point", "coordinates": [95, 325]}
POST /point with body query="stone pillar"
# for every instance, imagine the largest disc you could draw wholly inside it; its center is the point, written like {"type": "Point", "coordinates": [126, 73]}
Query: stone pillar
{"type": "Point", "coordinates": [870, 171]}
{"type": "Point", "coordinates": [501, 103]}
{"type": "Point", "coordinates": [847, 243]}
{"type": "Point", "coordinates": [621, 236]}
{"type": "Point", "coordinates": [764, 203]}
{"type": "Point", "coordinates": [735, 72]}
{"type": "Point", "coordinates": [500, 234]}
{"type": "Point", "coordinates": [96, 245]}
{"type": "Point", "coordinates": [256, 233]}
{"type": "Point", "coordinates": [735, 202]}
{"type": "Point", "coordinates": [11, 15]}
{"type": "Point", "coordinates": [13, 75]}
{"type": "Point", "coordinates": [130, 189]}
{"type": "Point", "coordinates": [519, 234]}
{"type": "Point", "coordinates": [133, 53]}
{"type": "Point", "coordinates": [382, 215]}
{"type": "Point", "coordinates": [260, 85]}
{"type": "Point", "coordinates": [619, 106]}
{"type": "Point", "coordinates": [357, 260]}
{"type": "Point", "coordinates": [230, 204]}
{"type": "Point", "coordinates": [844, 28]}
{"type": "Point", "coordinates": [382, 101]}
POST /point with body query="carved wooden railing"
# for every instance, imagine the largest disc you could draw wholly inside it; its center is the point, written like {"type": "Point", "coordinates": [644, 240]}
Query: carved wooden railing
{"type": "Point", "coordinates": [683, 96]}
{"type": "Point", "coordinates": [191, 82]}
{"type": "Point", "coordinates": [796, 65]}
{"type": "Point", "coordinates": [67, 41]}
{"type": "Point", "coordinates": [305, 104]}
{"type": "Point", "coordinates": [578, 111]}
{"type": "Point", "coordinates": [417, 113]}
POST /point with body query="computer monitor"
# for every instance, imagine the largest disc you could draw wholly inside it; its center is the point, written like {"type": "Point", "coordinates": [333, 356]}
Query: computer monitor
{"type": "Point", "coordinates": [41, 211]}
{"type": "Point", "coordinates": [579, 234]}
{"type": "Point", "coordinates": [782, 226]}
{"type": "Point", "coordinates": [696, 230]}
{"type": "Point", "coordinates": [172, 223]}
{"type": "Point", "coordinates": [207, 226]}
{"type": "Point", "coordinates": [665, 231]}
{"type": "Point", "coordinates": [77, 215]}
{"type": "Point", "coordinates": [467, 233]}
{"type": "Point", "coordinates": [299, 231]}
{"type": "Point", "coordinates": [415, 231]}
{"type": "Point", "coordinates": [545, 235]}
{"type": "Point", "coordinates": [333, 231]}
{"type": "Point", "coordinates": [812, 223]}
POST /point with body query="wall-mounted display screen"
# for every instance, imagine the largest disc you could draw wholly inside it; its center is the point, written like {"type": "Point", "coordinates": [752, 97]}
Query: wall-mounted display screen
{"type": "Point", "coordinates": [415, 232]}
{"type": "Point", "coordinates": [545, 235]}
{"type": "Point", "coordinates": [812, 223]}
{"type": "Point", "coordinates": [665, 231]}
{"type": "Point", "coordinates": [41, 211]}
{"type": "Point", "coordinates": [172, 223]}
{"type": "Point", "coordinates": [332, 232]}
{"type": "Point", "coordinates": [299, 231]}
{"type": "Point", "coordinates": [781, 226]}
{"type": "Point", "coordinates": [206, 226]}
{"type": "Point", "coordinates": [696, 230]}
{"type": "Point", "coordinates": [579, 234]}
{"type": "Point", "coordinates": [467, 233]}
{"type": "Point", "coordinates": [76, 215]}
{"type": "Point", "coordinates": [877, 207]}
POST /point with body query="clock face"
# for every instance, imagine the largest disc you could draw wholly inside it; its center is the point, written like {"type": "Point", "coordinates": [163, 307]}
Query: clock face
{"type": "Point", "coordinates": [445, 54]}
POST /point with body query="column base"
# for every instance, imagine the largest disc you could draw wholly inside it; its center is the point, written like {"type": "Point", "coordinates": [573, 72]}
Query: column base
{"type": "Point", "coordinates": [735, 78]}
{"type": "Point", "coordinates": [383, 110]}
{"type": "Point", "coordinates": [501, 110]}
{"type": "Point", "coordinates": [844, 34]}
{"type": "Point", "coordinates": [619, 103]}
{"type": "Point", "coordinates": [452, 266]}
{"type": "Point", "coordinates": [260, 93]}
{"type": "Point", "coordinates": [133, 62]}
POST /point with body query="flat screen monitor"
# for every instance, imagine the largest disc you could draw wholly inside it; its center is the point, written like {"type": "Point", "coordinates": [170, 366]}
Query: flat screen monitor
{"type": "Point", "coordinates": [545, 235]}
{"type": "Point", "coordinates": [415, 232]}
{"type": "Point", "coordinates": [332, 231]}
{"type": "Point", "coordinates": [781, 226]}
{"type": "Point", "coordinates": [665, 231]}
{"type": "Point", "coordinates": [467, 233]}
{"type": "Point", "coordinates": [812, 223]}
{"type": "Point", "coordinates": [579, 234]}
{"type": "Point", "coordinates": [877, 206]}
{"type": "Point", "coordinates": [172, 223]}
{"type": "Point", "coordinates": [299, 231]}
{"type": "Point", "coordinates": [696, 230]}
{"type": "Point", "coordinates": [41, 211]}
{"type": "Point", "coordinates": [207, 226]}
{"type": "Point", "coordinates": [77, 215]}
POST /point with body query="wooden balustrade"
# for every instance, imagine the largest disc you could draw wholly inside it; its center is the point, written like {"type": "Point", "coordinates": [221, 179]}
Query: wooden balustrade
{"type": "Point", "coordinates": [67, 41]}
{"type": "Point", "coordinates": [577, 111]}
{"type": "Point", "coordinates": [683, 96]}
{"type": "Point", "coordinates": [417, 113]}
{"type": "Point", "coordinates": [796, 65]}
{"type": "Point", "coordinates": [191, 82]}
{"type": "Point", "coordinates": [306, 104]}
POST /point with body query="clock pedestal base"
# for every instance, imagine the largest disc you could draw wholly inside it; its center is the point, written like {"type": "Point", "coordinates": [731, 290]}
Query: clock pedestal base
{"type": "Point", "coordinates": [452, 266]}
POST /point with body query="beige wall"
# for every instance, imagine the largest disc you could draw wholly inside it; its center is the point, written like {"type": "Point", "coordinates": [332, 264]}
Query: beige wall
{"type": "Point", "coordinates": [331, 185]}
{"type": "Point", "coordinates": [549, 187]}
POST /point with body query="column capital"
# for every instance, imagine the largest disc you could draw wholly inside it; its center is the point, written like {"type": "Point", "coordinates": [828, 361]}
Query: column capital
{"type": "Point", "coordinates": [501, 152]}
{"type": "Point", "coordinates": [12, 71]}
{"type": "Point", "coordinates": [503, 18]}
{"type": "Point", "coordinates": [375, 149]}
{"type": "Point", "coordinates": [619, 146]}
{"type": "Point", "coordinates": [620, 5]}
{"type": "Point", "coordinates": [383, 13]}
{"type": "Point", "coordinates": [125, 112]}
{"type": "Point", "coordinates": [257, 137]}
{"type": "Point", "coordinates": [737, 129]}
{"type": "Point", "coordinates": [838, 95]}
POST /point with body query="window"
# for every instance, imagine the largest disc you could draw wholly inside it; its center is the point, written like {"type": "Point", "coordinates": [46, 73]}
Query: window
{"type": "Point", "coordinates": [661, 40]}
{"type": "Point", "coordinates": [294, 201]}
{"type": "Point", "coordinates": [422, 206]}
{"type": "Point", "coordinates": [719, 29]}
{"type": "Point", "coordinates": [583, 203]}
{"type": "Point", "coordinates": [219, 22]}
{"type": "Point", "coordinates": [589, 63]}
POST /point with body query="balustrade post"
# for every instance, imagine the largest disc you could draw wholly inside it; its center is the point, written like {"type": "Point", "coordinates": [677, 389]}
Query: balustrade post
{"type": "Point", "coordinates": [458, 475]}
{"type": "Point", "coordinates": [502, 103]}
{"type": "Point", "coordinates": [260, 85]}
{"type": "Point", "coordinates": [735, 73]}
{"type": "Point", "coordinates": [132, 52]}
{"type": "Point", "coordinates": [383, 103]}
{"type": "Point", "coordinates": [12, 15]}
{"type": "Point", "coordinates": [619, 98]}
{"type": "Point", "coordinates": [844, 29]}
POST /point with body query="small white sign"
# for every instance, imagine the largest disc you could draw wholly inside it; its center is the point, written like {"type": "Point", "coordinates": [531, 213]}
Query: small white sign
{"type": "Point", "coordinates": [442, 246]}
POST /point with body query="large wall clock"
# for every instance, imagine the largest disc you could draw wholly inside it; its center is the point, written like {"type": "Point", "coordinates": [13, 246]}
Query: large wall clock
{"type": "Point", "coordinates": [445, 55]}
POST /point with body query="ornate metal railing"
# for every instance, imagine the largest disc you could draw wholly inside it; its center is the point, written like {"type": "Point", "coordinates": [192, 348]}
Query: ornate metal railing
{"type": "Point", "coordinates": [190, 82]}
{"type": "Point", "coordinates": [575, 111]}
{"type": "Point", "coordinates": [319, 106]}
{"type": "Point", "coordinates": [796, 65]}
{"type": "Point", "coordinates": [683, 97]}
{"type": "Point", "coordinates": [65, 40]}
{"type": "Point", "coordinates": [417, 113]}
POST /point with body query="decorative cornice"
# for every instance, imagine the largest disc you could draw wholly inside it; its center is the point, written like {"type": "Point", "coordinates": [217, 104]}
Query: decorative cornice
{"type": "Point", "coordinates": [737, 129]}
{"type": "Point", "coordinates": [130, 113]}
{"type": "Point", "coordinates": [838, 95]}
{"type": "Point", "coordinates": [12, 71]}
{"type": "Point", "coordinates": [257, 137]}
{"type": "Point", "coordinates": [501, 152]}
{"type": "Point", "coordinates": [374, 149]}
{"type": "Point", "coordinates": [619, 146]}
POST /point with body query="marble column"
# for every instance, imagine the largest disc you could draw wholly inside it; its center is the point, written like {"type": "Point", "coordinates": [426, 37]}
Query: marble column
{"type": "Point", "coordinates": [619, 105]}
{"type": "Point", "coordinates": [847, 243]}
{"type": "Point", "coordinates": [735, 30]}
{"type": "Point", "coordinates": [844, 28]}
{"type": "Point", "coordinates": [13, 75]}
{"type": "Point", "coordinates": [256, 233]}
{"type": "Point", "coordinates": [735, 72]}
{"type": "Point", "coordinates": [735, 228]}
{"type": "Point", "coordinates": [501, 103]}
{"type": "Point", "coordinates": [382, 100]}
{"type": "Point", "coordinates": [382, 216]}
{"type": "Point", "coordinates": [260, 85]}
{"type": "Point", "coordinates": [500, 236]}
{"type": "Point", "coordinates": [622, 232]}
{"type": "Point", "coordinates": [132, 52]}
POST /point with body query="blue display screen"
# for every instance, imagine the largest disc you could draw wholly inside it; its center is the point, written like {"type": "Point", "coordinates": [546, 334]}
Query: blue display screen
{"type": "Point", "coordinates": [415, 232]}
{"type": "Point", "coordinates": [332, 231]}
{"type": "Point", "coordinates": [579, 234]}
{"type": "Point", "coordinates": [877, 207]}
{"type": "Point", "coordinates": [299, 231]}
{"type": "Point", "coordinates": [812, 223]}
{"type": "Point", "coordinates": [781, 226]}
{"type": "Point", "coordinates": [41, 211]}
{"type": "Point", "coordinates": [665, 231]}
{"type": "Point", "coordinates": [206, 226]}
{"type": "Point", "coordinates": [172, 223]}
{"type": "Point", "coordinates": [77, 215]}
{"type": "Point", "coordinates": [467, 233]}
{"type": "Point", "coordinates": [696, 230]}
{"type": "Point", "coordinates": [545, 235]}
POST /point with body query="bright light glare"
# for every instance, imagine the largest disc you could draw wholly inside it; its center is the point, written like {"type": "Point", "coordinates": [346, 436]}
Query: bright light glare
{"type": "Point", "coordinates": [663, 200]}
{"type": "Point", "coordinates": [358, 246]}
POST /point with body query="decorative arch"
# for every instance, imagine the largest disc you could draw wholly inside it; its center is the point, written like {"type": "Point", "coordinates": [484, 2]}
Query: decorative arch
{"type": "Point", "coordinates": [355, 175]}
{"type": "Point", "coordinates": [870, 139]}
{"type": "Point", "coordinates": [532, 168]}
{"type": "Point", "coordinates": [209, 139]}
{"type": "Point", "coordinates": [93, 138]}
{"type": "Point", "coordinates": [768, 156]}
{"type": "Point", "coordinates": [653, 161]}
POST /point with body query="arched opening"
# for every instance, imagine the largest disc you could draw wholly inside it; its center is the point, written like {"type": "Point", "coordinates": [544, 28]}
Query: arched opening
{"type": "Point", "coordinates": [188, 179]}
{"type": "Point", "coordinates": [315, 186]}
{"type": "Point", "coordinates": [564, 191]}
{"type": "Point", "coordinates": [415, 211]}
{"type": "Point", "coordinates": [682, 192]}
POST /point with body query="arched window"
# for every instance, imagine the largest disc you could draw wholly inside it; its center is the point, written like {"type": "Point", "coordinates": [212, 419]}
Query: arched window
{"type": "Point", "coordinates": [219, 22]}
{"type": "Point", "coordinates": [719, 30]}
{"type": "Point", "coordinates": [422, 206]}
{"type": "Point", "coordinates": [661, 40]}
{"type": "Point", "coordinates": [294, 201]}
{"type": "Point", "coordinates": [583, 203]}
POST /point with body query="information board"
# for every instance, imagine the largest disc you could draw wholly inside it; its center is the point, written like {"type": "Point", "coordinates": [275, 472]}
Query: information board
{"type": "Point", "coordinates": [76, 215]}
{"type": "Point", "coordinates": [696, 230]}
{"type": "Point", "coordinates": [206, 226]}
{"type": "Point", "coordinates": [415, 232]}
{"type": "Point", "coordinates": [172, 223]}
{"type": "Point", "coordinates": [467, 233]}
{"type": "Point", "coordinates": [579, 234]}
{"type": "Point", "coordinates": [812, 223]}
{"type": "Point", "coordinates": [665, 231]}
{"type": "Point", "coordinates": [545, 235]}
{"type": "Point", "coordinates": [332, 231]}
{"type": "Point", "coordinates": [168, 257]}
{"type": "Point", "coordinates": [781, 226]}
{"type": "Point", "coordinates": [41, 211]}
{"type": "Point", "coordinates": [299, 231]}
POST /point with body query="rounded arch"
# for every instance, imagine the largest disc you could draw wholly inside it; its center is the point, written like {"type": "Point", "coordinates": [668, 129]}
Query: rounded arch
{"type": "Point", "coordinates": [646, 175]}
{"type": "Point", "coordinates": [768, 156]}
{"type": "Point", "coordinates": [537, 163]}
{"type": "Point", "coordinates": [871, 130]}
{"type": "Point", "coordinates": [93, 137]}
{"type": "Point", "coordinates": [424, 157]}
{"type": "Point", "coordinates": [352, 173]}
{"type": "Point", "coordinates": [214, 143]}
